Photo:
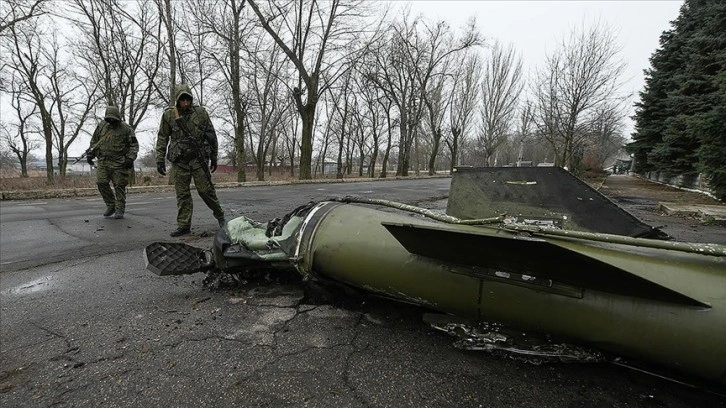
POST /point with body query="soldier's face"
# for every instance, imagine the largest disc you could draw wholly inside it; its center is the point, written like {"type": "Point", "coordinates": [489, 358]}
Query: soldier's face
{"type": "Point", "coordinates": [185, 103]}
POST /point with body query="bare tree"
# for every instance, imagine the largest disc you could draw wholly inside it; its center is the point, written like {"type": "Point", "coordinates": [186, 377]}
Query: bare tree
{"type": "Point", "coordinates": [20, 137]}
{"type": "Point", "coordinates": [166, 18]}
{"type": "Point", "coordinates": [269, 103]}
{"type": "Point", "coordinates": [464, 96]}
{"type": "Point", "coordinates": [524, 130]}
{"type": "Point", "coordinates": [342, 101]}
{"type": "Point", "coordinates": [500, 90]}
{"type": "Point", "coordinates": [225, 20]}
{"type": "Point", "coordinates": [606, 129]}
{"type": "Point", "coordinates": [371, 119]}
{"type": "Point", "coordinates": [13, 12]}
{"type": "Point", "coordinates": [317, 38]}
{"type": "Point", "coordinates": [25, 47]}
{"type": "Point", "coordinates": [360, 137]}
{"type": "Point", "coordinates": [121, 49]}
{"type": "Point", "coordinates": [73, 99]}
{"type": "Point", "coordinates": [387, 106]}
{"type": "Point", "coordinates": [326, 136]}
{"type": "Point", "coordinates": [436, 104]}
{"type": "Point", "coordinates": [196, 47]}
{"type": "Point", "coordinates": [290, 143]}
{"type": "Point", "coordinates": [431, 55]}
{"type": "Point", "coordinates": [577, 78]}
{"type": "Point", "coordinates": [392, 72]}
{"type": "Point", "coordinates": [415, 53]}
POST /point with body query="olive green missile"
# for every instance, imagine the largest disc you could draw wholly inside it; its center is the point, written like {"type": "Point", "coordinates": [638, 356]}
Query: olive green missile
{"type": "Point", "coordinates": [552, 273]}
{"type": "Point", "coordinates": [633, 297]}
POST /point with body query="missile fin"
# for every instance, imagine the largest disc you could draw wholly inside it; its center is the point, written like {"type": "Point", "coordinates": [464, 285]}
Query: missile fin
{"type": "Point", "coordinates": [497, 251]}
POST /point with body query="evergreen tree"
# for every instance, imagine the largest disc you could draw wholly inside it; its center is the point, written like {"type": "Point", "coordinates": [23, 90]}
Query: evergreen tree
{"type": "Point", "coordinates": [680, 124]}
{"type": "Point", "coordinates": [709, 124]}
{"type": "Point", "coordinates": [653, 108]}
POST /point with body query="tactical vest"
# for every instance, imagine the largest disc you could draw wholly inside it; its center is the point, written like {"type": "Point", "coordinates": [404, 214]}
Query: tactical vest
{"type": "Point", "coordinates": [113, 142]}
{"type": "Point", "coordinates": [180, 148]}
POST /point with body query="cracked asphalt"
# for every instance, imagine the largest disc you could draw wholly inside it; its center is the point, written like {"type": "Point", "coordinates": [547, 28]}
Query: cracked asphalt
{"type": "Point", "coordinates": [82, 323]}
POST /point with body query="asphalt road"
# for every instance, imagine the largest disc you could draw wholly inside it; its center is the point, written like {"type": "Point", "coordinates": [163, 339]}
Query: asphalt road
{"type": "Point", "coordinates": [82, 323]}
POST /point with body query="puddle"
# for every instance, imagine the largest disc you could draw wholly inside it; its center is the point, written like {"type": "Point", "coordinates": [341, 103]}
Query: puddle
{"type": "Point", "coordinates": [33, 286]}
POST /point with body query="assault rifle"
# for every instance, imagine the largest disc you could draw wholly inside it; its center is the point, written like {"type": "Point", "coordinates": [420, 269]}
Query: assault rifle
{"type": "Point", "coordinates": [90, 149]}
{"type": "Point", "coordinates": [181, 121]}
{"type": "Point", "coordinates": [81, 157]}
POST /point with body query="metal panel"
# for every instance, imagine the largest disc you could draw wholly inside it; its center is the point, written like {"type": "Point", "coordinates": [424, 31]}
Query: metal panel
{"type": "Point", "coordinates": [540, 192]}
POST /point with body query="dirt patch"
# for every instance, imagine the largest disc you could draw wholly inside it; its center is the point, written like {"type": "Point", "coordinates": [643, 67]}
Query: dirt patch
{"type": "Point", "coordinates": [626, 187]}
{"type": "Point", "coordinates": [641, 198]}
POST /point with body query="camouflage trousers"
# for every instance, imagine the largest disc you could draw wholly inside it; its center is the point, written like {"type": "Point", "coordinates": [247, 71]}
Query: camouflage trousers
{"type": "Point", "coordinates": [182, 174]}
{"type": "Point", "coordinates": [110, 172]}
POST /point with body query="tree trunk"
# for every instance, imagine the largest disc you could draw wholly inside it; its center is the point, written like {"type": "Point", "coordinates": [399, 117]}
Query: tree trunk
{"type": "Point", "coordinates": [306, 143]}
{"type": "Point", "coordinates": [434, 152]}
{"type": "Point", "coordinates": [239, 145]}
{"type": "Point", "coordinates": [455, 132]}
{"type": "Point", "coordinates": [48, 135]}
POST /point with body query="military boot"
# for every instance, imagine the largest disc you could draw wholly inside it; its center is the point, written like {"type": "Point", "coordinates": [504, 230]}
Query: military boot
{"type": "Point", "coordinates": [109, 212]}
{"type": "Point", "coordinates": [180, 231]}
{"type": "Point", "coordinates": [221, 222]}
{"type": "Point", "coordinates": [119, 215]}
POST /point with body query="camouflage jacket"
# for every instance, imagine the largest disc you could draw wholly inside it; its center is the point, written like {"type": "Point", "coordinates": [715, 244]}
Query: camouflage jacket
{"type": "Point", "coordinates": [114, 143]}
{"type": "Point", "coordinates": [171, 141]}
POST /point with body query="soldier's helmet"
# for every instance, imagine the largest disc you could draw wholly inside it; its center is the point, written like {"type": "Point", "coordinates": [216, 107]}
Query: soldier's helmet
{"type": "Point", "coordinates": [112, 113]}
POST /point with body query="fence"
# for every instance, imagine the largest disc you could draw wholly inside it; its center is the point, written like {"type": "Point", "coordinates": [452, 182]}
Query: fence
{"type": "Point", "coordinates": [692, 182]}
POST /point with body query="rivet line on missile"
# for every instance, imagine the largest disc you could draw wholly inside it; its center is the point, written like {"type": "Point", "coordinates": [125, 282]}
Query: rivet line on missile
{"type": "Point", "coordinates": [697, 248]}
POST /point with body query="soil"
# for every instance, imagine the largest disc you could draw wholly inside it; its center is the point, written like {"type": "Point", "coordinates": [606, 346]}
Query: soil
{"type": "Point", "coordinates": [640, 197]}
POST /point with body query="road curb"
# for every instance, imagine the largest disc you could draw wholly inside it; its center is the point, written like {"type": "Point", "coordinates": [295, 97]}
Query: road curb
{"type": "Point", "coordinates": [701, 211]}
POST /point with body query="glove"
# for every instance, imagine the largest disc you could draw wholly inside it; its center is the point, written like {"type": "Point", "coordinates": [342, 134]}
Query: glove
{"type": "Point", "coordinates": [129, 163]}
{"type": "Point", "coordinates": [213, 166]}
{"type": "Point", "coordinates": [90, 156]}
{"type": "Point", "coordinates": [161, 168]}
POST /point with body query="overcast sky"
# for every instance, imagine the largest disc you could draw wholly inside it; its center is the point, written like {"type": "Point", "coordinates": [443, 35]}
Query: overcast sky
{"type": "Point", "coordinates": [535, 27]}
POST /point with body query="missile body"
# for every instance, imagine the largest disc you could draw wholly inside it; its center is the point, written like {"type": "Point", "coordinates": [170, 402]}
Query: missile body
{"type": "Point", "coordinates": [663, 306]}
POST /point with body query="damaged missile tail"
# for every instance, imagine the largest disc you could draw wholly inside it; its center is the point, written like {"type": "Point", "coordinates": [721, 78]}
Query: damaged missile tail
{"type": "Point", "coordinates": [536, 260]}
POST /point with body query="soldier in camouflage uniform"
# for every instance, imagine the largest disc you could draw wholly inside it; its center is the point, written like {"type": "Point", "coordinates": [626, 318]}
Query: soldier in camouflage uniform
{"type": "Point", "coordinates": [183, 155]}
{"type": "Point", "coordinates": [114, 145]}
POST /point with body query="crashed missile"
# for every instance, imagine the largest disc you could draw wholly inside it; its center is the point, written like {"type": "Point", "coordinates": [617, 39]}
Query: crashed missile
{"type": "Point", "coordinates": [635, 299]}
{"type": "Point", "coordinates": [652, 301]}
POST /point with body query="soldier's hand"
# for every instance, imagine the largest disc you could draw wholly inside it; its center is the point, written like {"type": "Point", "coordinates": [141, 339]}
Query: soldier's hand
{"type": "Point", "coordinates": [90, 156]}
{"type": "Point", "coordinates": [213, 165]}
{"type": "Point", "coordinates": [129, 163]}
{"type": "Point", "coordinates": [161, 168]}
